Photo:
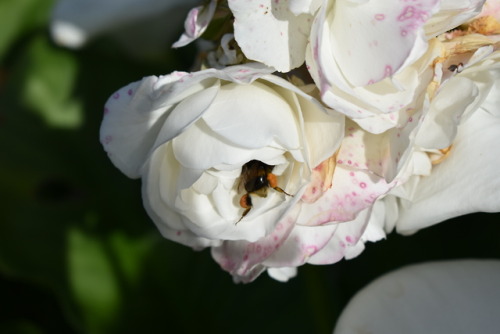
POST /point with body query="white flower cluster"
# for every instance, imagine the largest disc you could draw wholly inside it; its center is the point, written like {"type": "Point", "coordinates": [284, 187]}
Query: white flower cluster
{"type": "Point", "coordinates": [315, 126]}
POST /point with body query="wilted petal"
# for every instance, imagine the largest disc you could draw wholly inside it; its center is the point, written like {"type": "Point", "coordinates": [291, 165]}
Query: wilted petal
{"type": "Point", "coordinates": [440, 126]}
{"type": "Point", "coordinates": [435, 297]}
{"type": "Point", "coordinates": [466, 181]}
{"type": "Point", "coordinates": [460, 95]}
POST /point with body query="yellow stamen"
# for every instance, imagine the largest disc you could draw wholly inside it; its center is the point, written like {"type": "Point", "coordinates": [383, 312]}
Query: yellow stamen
{"type": "Point", "coordinates": [437, 158]}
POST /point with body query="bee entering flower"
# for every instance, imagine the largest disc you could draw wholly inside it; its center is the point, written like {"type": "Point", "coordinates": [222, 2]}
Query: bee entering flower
{"type": "Point", "coordinates": [256, 178]}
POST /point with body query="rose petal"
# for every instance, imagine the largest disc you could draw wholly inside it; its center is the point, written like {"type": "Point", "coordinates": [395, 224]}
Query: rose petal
{"type": "Point", "coordinates": [134, 116]}
{"type": "Point", "coordinates": [196, 23]}
{"type": "Point", "coordinates": [391, 33]}
{"type": "Point", "coordinates": [440, 124]}
{"type": "Point", "coordinates": [376, 107]}
{"type": "Point", "coordinates": [187, 112]}
{"type": "Point", "coordinates": [345, 242]}
{"type": "Point", "coordinates": [152, 192]}
{"type": "Point", "coordinates": [282, 274]}
{"type": "Point", "coordinates": [452, 13]}
{"type": "Point", "coordinates": [435, 297]}
{"type": "Point", "coordinates": [237, 107]}
{"type": "Point", "coordinates": [351, 192]}
{"type": "Point", "coordinates": [458, 96]}
{"type": "Point", "coordinates": [321, 130]}
{"type": "Point", "coordinates": [268, 32]}
{"type": "Point", "coordinates": [304, 6]}
{"type": "Point", "coordinates": [466, 181]}
{"type": "Point", "coordinates": [240, 258]}
{"type": "Point", "coordinates": [302, 243]}
{"type": "Point", "coordinates": [130, 126]}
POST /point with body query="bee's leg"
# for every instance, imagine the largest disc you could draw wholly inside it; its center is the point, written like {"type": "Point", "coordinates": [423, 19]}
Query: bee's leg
{"type": "Point", "coordinates": [245, 203]}
{"type": "Point", "coordinates": [273, 183]}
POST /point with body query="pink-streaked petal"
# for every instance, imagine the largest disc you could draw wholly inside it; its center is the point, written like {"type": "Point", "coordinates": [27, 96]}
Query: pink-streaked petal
{"type": "Point", "coordinates": [352, 191]}
{"type": "Point", "coordinates": [389, 32]}
{"type": "Point", "coordinates": [196, 23]}
{"type": "Point", "coordinates": [376, 107]}
{"type": "Point", "coordinates": [302, 243]}
{"type": "Point", "coordinates": [466, 181]}
{"type": "Point", "coordinates": [380, 154]}
{"type": "Point", "coordinates": [459, 296]}
{"type": "Point", "coordinates": [240, 258]}
{"type": "Point", "coordinates": [346, 242]}
{"type": "Point", "coordinates": [268, 32]}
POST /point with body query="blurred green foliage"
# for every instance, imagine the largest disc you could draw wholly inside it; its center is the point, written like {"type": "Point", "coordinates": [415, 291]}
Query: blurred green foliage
{"type": "Point", "coordinates": [78, 253]}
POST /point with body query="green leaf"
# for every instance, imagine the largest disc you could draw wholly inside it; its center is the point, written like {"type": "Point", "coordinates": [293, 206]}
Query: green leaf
{"type": "Point", "coordinates": [93, 281]}
{"type": "Point", "coordinates": [17, 17]}
{"type": "Point", "coordinates": [50, 78]}
{"type": "Point", "coordinates": [130, 254]}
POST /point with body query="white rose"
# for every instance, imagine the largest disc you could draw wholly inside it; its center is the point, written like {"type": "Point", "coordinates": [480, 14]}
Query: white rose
{"type": "Point", "coordinates": [353, 196]}
{"type": "Point", "coordinates": [188, 135]}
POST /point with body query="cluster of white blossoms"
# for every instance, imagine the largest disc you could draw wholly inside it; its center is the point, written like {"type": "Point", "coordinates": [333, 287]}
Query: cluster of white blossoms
{"type": "Point", "coordinates": [314, 126]}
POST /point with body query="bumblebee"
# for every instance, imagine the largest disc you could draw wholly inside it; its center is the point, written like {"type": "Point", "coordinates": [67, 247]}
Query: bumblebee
{"type": "Point", "coordinates": [256, 177]}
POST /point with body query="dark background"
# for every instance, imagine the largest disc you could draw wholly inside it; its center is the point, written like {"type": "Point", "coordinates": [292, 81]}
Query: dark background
{"type": "Point", "coordinates": [78, 253]}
